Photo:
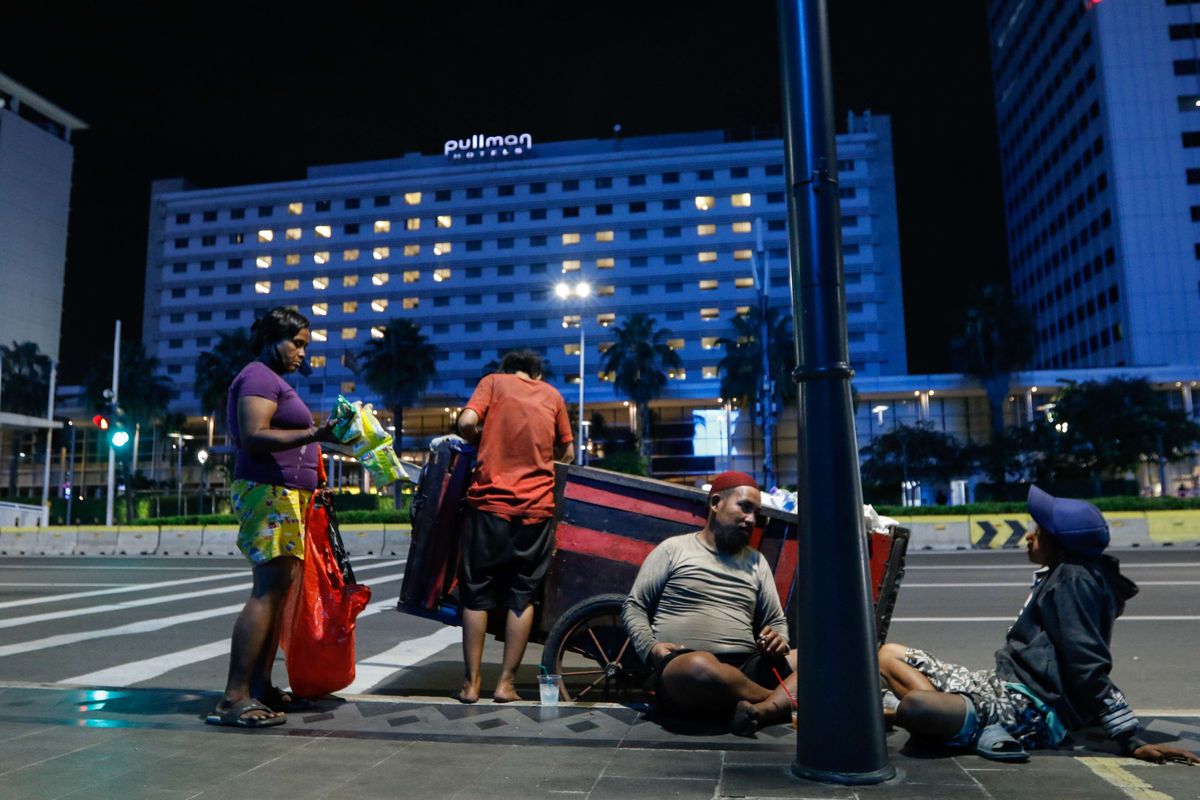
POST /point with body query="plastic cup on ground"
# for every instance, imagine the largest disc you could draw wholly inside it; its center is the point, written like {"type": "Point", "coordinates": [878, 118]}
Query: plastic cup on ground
{"type": "Point", "coordinates": [548, 686]}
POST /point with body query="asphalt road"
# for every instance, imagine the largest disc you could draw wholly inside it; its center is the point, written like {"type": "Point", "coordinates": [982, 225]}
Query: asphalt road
{"type": "Point", "coordinates": [165, 622]}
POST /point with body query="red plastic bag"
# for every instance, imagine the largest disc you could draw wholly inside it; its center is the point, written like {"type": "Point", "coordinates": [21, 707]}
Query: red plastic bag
{"type": "Point", "coordinates": [318, 626]}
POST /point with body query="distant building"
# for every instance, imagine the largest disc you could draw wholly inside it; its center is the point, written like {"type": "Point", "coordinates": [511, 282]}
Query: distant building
{"type": "Point", "coordinates": [1098, 109]}
{"type": "Point", "coordinates": [35, 192]}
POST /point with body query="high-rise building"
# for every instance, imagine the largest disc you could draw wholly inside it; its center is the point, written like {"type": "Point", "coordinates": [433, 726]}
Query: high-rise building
{"type": "Point", "coordinates": [471, 243]}
{"type": "Point", "coordinates": [35, 192]}
{"type": "Point", "coordinates": [1098, 110]}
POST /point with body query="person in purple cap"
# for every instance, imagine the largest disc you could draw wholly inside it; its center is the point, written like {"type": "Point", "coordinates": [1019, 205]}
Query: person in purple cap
{"type": "Point", "coordinates": [1052, 674]}
{"type": "Point", "coordinates": [704, 615]}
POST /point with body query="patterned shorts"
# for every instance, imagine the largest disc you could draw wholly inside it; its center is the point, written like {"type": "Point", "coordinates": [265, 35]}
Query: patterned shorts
{"type": "Point", "coordinates": [270, 520]}
{"type": "Point", "coordinates": [995, 700]}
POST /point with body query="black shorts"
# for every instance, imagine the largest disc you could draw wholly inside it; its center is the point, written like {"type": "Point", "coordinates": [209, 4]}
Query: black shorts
{"type": "Point", "coordinates": [756, 666]}
{"type": "Point", "coordinates": [503, 561]}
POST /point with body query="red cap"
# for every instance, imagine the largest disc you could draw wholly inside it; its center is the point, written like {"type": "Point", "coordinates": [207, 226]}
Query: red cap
{"type": "Point", "coordinates": [731, 480]}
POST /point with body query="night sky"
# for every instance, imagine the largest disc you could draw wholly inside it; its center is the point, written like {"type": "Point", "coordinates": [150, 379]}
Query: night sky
{"type": "Point", "coordinates": [231, 94]}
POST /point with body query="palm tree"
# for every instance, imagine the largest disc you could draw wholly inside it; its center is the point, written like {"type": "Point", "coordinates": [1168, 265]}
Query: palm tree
{"type": "Point", "coordinates": [398, 367]}
{"type": "Point", "coordinates": [997, 339]}
{"type": "Point", "coordinates": [25, 380]}
{"type": "Point", "coordinates": [639, 360]}
{"type": "Point", "coordinates": [741, 371]}
{"type": "Point", "coordinates": [216, 369]}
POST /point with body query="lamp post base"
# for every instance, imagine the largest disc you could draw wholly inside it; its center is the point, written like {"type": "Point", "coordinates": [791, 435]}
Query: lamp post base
{"type": "Point", "coordinates": [884, 773]}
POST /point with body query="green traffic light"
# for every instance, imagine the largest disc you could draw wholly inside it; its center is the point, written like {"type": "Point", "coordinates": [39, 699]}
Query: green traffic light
{"type": "Point", "coordinates": [119, 438]}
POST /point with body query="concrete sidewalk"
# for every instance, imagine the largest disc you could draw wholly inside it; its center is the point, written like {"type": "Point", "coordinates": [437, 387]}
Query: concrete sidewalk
{"type": "Point", "coordinates": [58, 742]}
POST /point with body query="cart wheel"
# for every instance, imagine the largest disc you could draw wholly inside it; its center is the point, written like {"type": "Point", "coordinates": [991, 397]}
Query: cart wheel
{"type": "Point", "coordinates": [588, 646]}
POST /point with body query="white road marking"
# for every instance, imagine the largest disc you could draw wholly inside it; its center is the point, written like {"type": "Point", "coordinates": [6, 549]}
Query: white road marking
{"type": "Point", "coordinates": [370, 672]}
{"type": "Point", "coordinates": [133, 628]}
{"type": "Point", "coordinates": [124, 605]}
{"type": "Point", "coordinates": [138, 587]}
{"type": "Point", "coordinates": [56, 585]}
{"type": "Point", "coordinates": [1010, 618]}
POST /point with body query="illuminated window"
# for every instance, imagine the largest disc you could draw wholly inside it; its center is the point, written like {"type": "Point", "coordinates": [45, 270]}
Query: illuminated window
{"type": "Point", "coordinates": [412, 249]}
{"type": "Point", "coordinates": [320, 283]}
{"type": "Point", "coordinates": [379, 305]}
{"type": "Point", "coordinates": [743, 311]}
{"type": "Point", "coordinates": [709, 314]}
{"type": "Point", "coordinates": [321, 257]}
{"type": "Point", "coordinates": [266, 236]}
{"type": "Point", "coordinates": [606, 319]}
{"type": "Point", "coordinates": [291, 259]}
{"type": "Point", "coordinates": [605, 263]}
{"type": "Point", "coordinates": [740, 200]}
{"type": "Point", "coordinates": [379, 278]}
{"type": "Point", "coordinates": [570, 321]}
{"type": "Point", "coordinates": [291, 285]}
{"type": "Point", "coordinates": [349, 306]}
{"type": "Point", "coordinates": [292, 234]}
{"type": "Point", "coordinates": [350, 255]}
{"type": "Point", "coordinates": [349, 333]}
{"type": "Point", "coordinates": [706, 230]}
{"type": "Point", "coordinates": [604, 236]}
{"type": "Point", "coordinates": [295, 209]}
{"type": "Point", "coordinates": [378, 331]}
{"type": "Point", "coordinates": [709, 373]}
{"type": "Point", "coordinates": [441, 248]}
{"type": "Point", "coordinates": [410, 276]}
{"type": "Point", "coordinates": [349, 280]}
{"type": "Point", "coordinates": [706, 257]}
{"type": "Point", "coordinates": [262, 287]}
{"type": "Point", "coordinates": [320, 335]}
{"type": "Point", "coordinates": [570, 238]}
{"type": "Point", "coordinates": [605, 291]}
{"type": "Point", "coordinates": [742, 227]}
{"type": "Point", "coordinates": [607, 377]}
{"type": "Point", "coordinates": [348, 387]}
{"type": "Point", "coordinates": [442, 274]}
{"type": "Point", "coordinates": [570, 266]}
{"type": "Point", "coordinates": [743, 283]}
{"type": "Point", "coordinates": [675, 344]}
{"type": "Point", "coordinates": [677, 374]}
{"type": "Point", "coordinates": [413, 223]}
{"type": "Point", "coordinates": [383, 226]}
{"type": "Point", "coordinates": [323, 231]}
{"type": "Point", "coordinates": [316, 362]}
{"type": "Point", "coordinates": [380, 253]}
{"type": "Point", "coordinates": [412, 198]}
{"type": "Point", "coordinates": [741, 255]}
{"type": "Point", "coordinates": [603, 347]}
{"type": "Point", "coordinates": [571, 349]}
{"type": "Point", "coordinates": [573, 377]}
{"type": "Point", "coordinates": [705, 202]}
{"type": "Point", "coordinates": [410, 302]}
{"type": "Point", "coordinates": [708, 284]}
{"type": "Point", "coordinates": [444, 221]}
{"type": "Point", "coordinates": [320, 309]}
{"type": "Point", "coordinates": [263, 262]}
{"type": "Point", "coordinates": [709, 342]}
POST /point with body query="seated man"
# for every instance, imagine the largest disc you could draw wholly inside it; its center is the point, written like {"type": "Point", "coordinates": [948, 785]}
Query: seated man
{"type": "Point", "coordinates": [1051, 675]}
{"type": "Point", "coordinates": [705, 617]}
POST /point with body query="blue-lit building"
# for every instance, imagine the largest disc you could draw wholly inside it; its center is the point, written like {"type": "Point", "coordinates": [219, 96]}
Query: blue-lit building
{"type": "Point", "coordinates": [1098, 108]}
{"type": "Point", "coordinates": [470, 243]}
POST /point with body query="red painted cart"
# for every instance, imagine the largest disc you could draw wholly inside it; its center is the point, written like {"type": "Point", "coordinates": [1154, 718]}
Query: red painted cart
{"type": "Point", "coordinates": [605, 525]}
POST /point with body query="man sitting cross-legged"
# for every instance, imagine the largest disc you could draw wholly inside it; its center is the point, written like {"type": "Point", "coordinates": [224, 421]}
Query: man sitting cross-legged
{"type": "Point", "coordinates": [1051, 675]}
{"type": "Point", "coordinates": [704, 615]}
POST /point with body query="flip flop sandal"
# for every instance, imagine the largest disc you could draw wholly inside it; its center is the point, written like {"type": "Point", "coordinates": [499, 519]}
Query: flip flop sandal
{"type": "Point", "coordinates": [996, 744]}
{"type": "Point", "coordinates": [279, 700]}
{"type": "Point", "coordinates": [233, 716]}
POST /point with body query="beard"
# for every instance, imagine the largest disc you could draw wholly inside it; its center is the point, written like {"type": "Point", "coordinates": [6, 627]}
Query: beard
{"type": "Point", "coordinates": [731, 540]}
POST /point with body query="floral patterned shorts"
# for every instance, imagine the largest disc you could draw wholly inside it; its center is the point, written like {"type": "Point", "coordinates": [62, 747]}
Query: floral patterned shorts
{"type": "Point", "coordinates": [1027, 719]}
{"type": "Point", "coordinates": [270, 520]}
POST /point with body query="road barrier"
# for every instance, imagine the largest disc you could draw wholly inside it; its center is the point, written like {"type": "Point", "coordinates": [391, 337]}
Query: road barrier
{"type": "Point", "coordinates": [99, 542]}
{"type": "Point", "coordinates": [137, 541]}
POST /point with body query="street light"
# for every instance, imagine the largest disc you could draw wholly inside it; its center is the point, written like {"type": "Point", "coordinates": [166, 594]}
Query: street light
{"type": "Point", "coordinates": [582, 291]}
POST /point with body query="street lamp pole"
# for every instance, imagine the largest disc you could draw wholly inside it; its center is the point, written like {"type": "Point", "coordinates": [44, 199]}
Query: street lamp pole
{"type": "Point", "coordinates": [112, 454]}
{"type": "Point", "coordinates": [580, 290]}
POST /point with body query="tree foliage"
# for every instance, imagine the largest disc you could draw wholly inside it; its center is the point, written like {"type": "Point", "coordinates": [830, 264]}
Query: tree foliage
{"type": "Point", "coordinates": [398, 367]}
{"type": "Point", "coordinates": [639, 360]}
{"type": "Point", "coordinates": [142, 392]}
{"type": "Point", "coordinates": [25, 380]}
{"type": "Point", "coordinates": [913, 452]}
{"type": "Point", "coordinates": [216, 368]}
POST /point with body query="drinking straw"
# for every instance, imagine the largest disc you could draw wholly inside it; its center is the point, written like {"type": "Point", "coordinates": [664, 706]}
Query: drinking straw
{"type": "Point", "coordinates": [543, 669]}
{"type": "Point", "coordinates": [784, 685]}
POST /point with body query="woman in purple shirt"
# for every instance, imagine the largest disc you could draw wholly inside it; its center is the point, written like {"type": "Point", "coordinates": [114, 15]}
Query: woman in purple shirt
{"type": "Point", "coordinates": [274, 477]}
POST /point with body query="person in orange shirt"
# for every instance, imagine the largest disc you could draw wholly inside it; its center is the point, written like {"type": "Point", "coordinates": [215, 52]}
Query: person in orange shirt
{"type": "Point", "coordinates": [519, 425]}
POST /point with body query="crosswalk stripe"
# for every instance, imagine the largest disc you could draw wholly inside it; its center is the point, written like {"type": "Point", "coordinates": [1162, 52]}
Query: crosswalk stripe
{"type": "Point", "coordinates": [124, 605]}
{"type": "Point", "coordinates": [137, 587]}
{"type": "Point", "coordinates": [146, 669]}
{"type": "Point", "coordinates": [370, 672]}
{"type": "Point", "coordinates": [133, 628]}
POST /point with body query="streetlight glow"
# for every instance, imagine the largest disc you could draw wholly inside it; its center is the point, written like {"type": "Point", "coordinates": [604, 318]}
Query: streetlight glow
{"type": "Point", "coordinates": [563, 290]}
{"type": "Point", "coordinates": [583, 289]}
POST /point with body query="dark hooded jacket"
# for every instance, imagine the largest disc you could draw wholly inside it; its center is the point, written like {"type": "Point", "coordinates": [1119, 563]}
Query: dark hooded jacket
{"type": "Point", "coordinates": [1059, 645]}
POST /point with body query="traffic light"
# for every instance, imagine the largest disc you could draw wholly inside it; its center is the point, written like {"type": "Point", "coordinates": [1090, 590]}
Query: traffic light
{"type": "Point", "coordinates": [100, 421]}
{"type": "Point", "coordinates": [112, 420]}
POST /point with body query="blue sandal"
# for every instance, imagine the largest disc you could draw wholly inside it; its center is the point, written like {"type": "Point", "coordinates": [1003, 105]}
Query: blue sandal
{"type": "Point", "coordinates": [996, 744]}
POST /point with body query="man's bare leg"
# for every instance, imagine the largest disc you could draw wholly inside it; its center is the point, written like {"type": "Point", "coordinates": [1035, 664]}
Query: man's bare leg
{"type": "Point", "coordinates": [516, 636]}
{"type": "Point", "coordinates": [700, 683]}
{"type": "Point", "coordinates": [474, 631]}
{"type": "Point", "coordinates": [749, 716]}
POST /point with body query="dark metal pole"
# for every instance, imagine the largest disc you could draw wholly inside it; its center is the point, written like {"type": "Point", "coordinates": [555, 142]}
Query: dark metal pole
{"type": "Point", "coordinates": [841, 737]}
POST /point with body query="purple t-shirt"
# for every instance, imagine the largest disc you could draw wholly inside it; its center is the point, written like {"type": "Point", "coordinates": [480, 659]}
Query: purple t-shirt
{"type": "Point", "coordinates": [295, 468]}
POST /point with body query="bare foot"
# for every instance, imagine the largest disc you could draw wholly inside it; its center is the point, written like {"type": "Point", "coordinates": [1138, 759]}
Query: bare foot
{"type": "Point", "coordinates": [505, 693]}
{"type": "Point", "coordinates": [745, 721]}
{"type": "Point", "coordinates": [469, 693]}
